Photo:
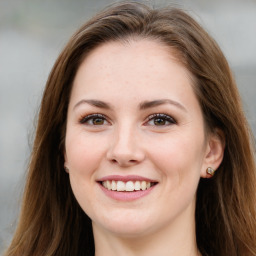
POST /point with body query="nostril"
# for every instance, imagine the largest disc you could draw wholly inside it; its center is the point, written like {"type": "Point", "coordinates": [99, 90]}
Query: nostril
{"type": "Point", "coordinates": [123, 162]}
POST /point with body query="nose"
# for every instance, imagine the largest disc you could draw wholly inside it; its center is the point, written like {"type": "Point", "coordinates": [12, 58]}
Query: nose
{"type": "Point", "coordinates": [125, 148]}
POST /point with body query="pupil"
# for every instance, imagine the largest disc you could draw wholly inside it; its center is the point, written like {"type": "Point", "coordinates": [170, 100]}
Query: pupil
{"type": "Point", "coordinates": [159, 121]}
{"type": "Point", "coordinates": [98, 121]}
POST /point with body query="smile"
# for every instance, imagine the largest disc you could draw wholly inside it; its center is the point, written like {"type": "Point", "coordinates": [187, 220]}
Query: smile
{"type": "Point", "coordinates": [128, 186]}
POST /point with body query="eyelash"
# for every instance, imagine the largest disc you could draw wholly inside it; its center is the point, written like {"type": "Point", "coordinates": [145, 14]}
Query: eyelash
{"type": "Point", "coordinates": [160, 116]}
{"type": "Point", "coordinates": [86, 119]}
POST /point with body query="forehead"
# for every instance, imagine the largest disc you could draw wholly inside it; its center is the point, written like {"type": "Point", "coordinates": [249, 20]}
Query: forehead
{"type": "Point", "coordinates": [138, 49]}
{"type": "Point", "coordinates": [134, 62]}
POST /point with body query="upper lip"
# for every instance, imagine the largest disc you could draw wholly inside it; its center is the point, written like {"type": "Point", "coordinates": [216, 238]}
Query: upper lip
{"type": "Point", "coordinates": [126, 178]}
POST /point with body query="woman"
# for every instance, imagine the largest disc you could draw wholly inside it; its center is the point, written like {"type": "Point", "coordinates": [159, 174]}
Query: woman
{"type": "Point", "coordinates": [139, 112]}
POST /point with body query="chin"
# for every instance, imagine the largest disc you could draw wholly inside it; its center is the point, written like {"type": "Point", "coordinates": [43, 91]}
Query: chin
{"type": "Point", "coordinates": [125, 226]}
{"type": "Point", "coordinates": [129, 231]}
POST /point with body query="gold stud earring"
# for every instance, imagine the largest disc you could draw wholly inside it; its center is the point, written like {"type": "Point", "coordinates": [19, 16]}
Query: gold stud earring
{"type": "Point", "coordinates": [210, 171]}
{"type": "Point", "coordinates": [66, 169]}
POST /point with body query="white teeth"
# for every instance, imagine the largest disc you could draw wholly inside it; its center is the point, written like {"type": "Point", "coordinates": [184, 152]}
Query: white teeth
{"type": "Point", "coordinates": [120, 186]}
{"type": "Point", "coordinates": [108, 184]}
{"type": "Point", "coordinates": [143, 185]}
{"type": "Point", "coordinates": [104, 183]}
{"type": "Point", "coordinates": [126, 186]}
{"type": "Point", "coordinates": [113, 185]}
{"type": "Point", "coordinates": [137, 185]}
{"type": "Point", "coordinates": [129, 186]}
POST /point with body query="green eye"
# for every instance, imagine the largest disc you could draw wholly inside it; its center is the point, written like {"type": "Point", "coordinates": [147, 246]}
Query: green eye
{"type": "Point", "coordinates": [98, 121]}
{"type": "Point", "coordinates": [94, 120]}
{"type": "Point", "coordinates": [159, 121]}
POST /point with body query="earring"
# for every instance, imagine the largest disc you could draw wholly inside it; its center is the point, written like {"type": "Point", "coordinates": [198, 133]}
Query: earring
{"type": "Point", "coordinates": [210, 171]}
{"type": "Point", "coordinates": [66, 169]}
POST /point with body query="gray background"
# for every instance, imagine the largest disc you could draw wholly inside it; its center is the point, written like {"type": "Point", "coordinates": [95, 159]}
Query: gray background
{"type": "Point", "coordinates": [32, 33]}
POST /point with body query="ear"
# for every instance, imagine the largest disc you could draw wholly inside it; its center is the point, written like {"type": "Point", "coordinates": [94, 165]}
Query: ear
{"type": "Point", "coordinates": [65, 162]}
{"type": "Point", "coordinates": [214, 152]}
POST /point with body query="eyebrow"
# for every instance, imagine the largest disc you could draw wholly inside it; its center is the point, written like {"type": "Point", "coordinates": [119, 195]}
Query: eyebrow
{"type": "Point", "coordinates": [95, 103]}
{"type": "Point", "coordinates": [144, 105]}
{"type": "Point", "coordinates": [155, 103]}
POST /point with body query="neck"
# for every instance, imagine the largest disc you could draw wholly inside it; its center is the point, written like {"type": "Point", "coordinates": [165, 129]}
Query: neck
{"type": "Point", "coordinates": [175, 240]}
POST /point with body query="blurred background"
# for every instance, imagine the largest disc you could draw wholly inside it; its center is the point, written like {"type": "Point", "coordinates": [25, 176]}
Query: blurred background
{"type": "Point", "coordinates": [32, 34]}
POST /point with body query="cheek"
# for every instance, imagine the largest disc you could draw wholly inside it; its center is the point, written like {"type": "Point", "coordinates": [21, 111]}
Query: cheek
{"type": "Point", "coordinates": [82, 154]}
{"type": "Point", "coordinates": [180, 155]}
{"type": "Point", "coordinates": [82, 159]}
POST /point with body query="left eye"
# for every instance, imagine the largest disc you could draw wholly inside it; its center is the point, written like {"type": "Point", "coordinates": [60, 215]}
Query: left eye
{"type": "Point", "coordinates": [160, 120]}
{"type": "Point", "coordinates": [94, 119]}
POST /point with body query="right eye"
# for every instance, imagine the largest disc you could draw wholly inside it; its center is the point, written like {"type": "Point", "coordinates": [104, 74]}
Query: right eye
{"type": "Point", "coordinates": [160, 119]}
{"type": "Point", "coordinates": [94, 120]}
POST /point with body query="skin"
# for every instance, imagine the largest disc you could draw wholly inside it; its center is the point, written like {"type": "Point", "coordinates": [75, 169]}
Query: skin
{"type": "Point", "coordinates": [127, 140]}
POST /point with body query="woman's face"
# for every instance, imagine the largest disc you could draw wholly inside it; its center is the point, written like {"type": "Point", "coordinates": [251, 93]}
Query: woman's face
{"type": "Point", "coordinates": [135, 140]}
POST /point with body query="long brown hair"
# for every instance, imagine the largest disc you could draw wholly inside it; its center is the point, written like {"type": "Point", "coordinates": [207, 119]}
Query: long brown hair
{"type": "Point", "coordinates": [52, 222]}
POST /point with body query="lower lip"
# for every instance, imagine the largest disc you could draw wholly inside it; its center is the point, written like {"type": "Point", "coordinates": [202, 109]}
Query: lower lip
{"type": "Point", "coordinates": [126, 196]}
